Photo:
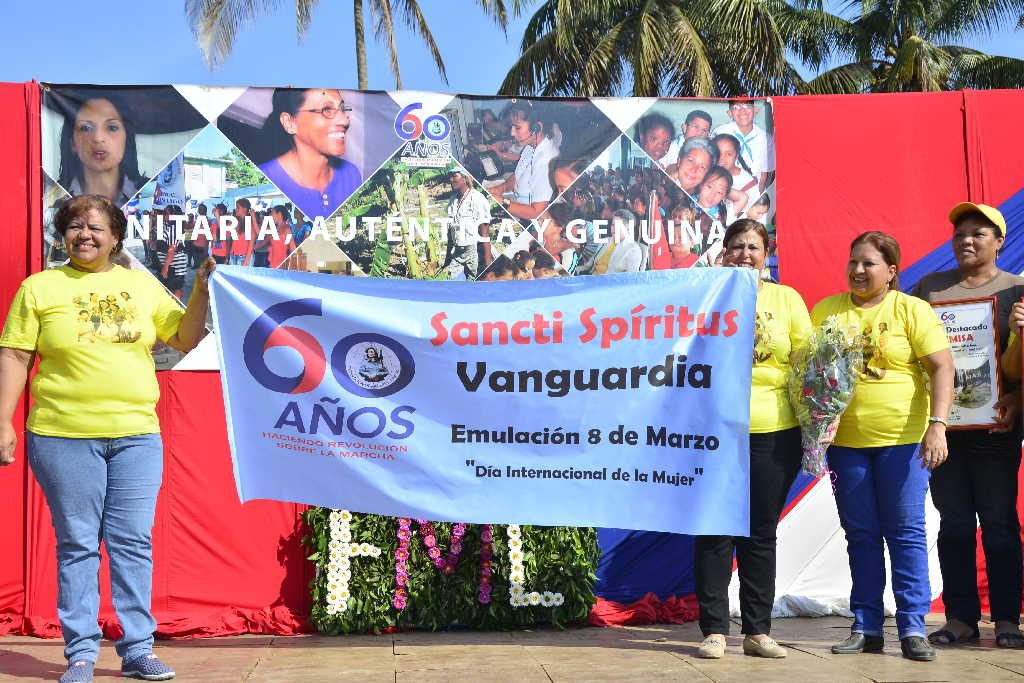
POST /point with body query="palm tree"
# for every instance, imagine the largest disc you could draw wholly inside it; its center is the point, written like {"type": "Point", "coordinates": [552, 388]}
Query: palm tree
{"type": "Point", "coordinates": [899, 46]}
{"type": "Point", "coordinates": [215, 23]}
{"type": "Point", "coordinates": [669, 47]}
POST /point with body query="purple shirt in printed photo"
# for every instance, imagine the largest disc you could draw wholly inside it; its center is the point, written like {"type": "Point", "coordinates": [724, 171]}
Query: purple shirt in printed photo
{"type": "Point", "coordinates": [310, 201]}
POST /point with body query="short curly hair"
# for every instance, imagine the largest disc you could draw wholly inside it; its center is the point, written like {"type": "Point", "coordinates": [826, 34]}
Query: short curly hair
{"type": "Point", "coordinates": [79, 206]}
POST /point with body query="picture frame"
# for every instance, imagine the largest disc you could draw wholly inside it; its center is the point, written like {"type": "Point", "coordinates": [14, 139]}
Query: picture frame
{"type": "Point", "coordinates": [972, 326]}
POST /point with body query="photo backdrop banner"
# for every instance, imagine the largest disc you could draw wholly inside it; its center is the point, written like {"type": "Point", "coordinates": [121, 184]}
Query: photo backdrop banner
{"type": "Point", "coordinates": [622, 401]}
{"type": "Point", "coordinates": [299, 179]}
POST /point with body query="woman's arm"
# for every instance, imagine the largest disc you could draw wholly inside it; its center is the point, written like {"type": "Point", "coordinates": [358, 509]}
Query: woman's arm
{"type": "Point", "coordinates": [940, 369]}
{"type": "Point", "coordinates": [14, 367]}
{"type": "Point", "coordinates": [192, 327]}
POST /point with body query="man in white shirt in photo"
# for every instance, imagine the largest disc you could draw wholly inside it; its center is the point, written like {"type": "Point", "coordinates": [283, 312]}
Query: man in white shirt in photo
{"type": "Point", "coordinates": [470, 215]}
{"type": "Point", "coordinates": [756, 147]}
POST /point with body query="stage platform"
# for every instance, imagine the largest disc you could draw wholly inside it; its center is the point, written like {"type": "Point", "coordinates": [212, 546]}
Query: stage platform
{"type": "Point", "coordinates": [640, 653]}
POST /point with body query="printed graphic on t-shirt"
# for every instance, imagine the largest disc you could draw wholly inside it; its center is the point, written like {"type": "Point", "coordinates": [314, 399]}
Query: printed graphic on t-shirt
{"type": "Point", "coordinates": [763, 336]}
{"type": "Point", "coordinates": [107, 318]}
{"type": "Point", "coordinates": [872, 346]}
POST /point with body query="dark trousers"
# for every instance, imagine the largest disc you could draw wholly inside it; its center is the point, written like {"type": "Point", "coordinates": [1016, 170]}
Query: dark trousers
{"type": "Point", "coordinates": [978, 483]}
{"type": "Point", "coordinates": [774, 464]}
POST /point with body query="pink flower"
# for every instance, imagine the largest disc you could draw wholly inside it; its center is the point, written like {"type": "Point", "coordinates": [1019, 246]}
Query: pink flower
{"type": "Point", "coordinates": [433, 553]}
{"type": "Point", "coordinates": [486, 536]}
{"type": "Point", "coordinates": [404, 534]}
{"type": "Point", "coordinates": [402, 554]}
{"type": "Point", "coordinates": [404, 523]}
{"type": "Point", "coordinates": [456, 548]}
{"type": "Point", "coordinates": [401, 580]}
{"type": "Point", "coordinates": [429, 541]}
{"type": "Point", "coordinates": [399, 603]}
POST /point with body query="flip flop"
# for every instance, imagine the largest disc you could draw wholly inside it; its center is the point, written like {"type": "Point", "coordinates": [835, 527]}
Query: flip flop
{"type": "Point", "coordinates": [1010, 639]}
{"type": "Point", "coordinates": [951, 637]}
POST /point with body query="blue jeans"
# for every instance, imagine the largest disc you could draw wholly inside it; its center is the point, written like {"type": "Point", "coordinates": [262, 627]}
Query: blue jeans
{"type": "Point", "coordinates": [880, 494]}
{"type": "Point", "coordinates": [236, 259]}
{"type": "Point", "coordinates": [101, 488]}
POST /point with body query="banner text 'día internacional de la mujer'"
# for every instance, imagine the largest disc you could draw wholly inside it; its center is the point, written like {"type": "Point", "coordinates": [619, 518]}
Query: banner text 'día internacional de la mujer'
{"type": "Point", "coordinates": [619, 401]}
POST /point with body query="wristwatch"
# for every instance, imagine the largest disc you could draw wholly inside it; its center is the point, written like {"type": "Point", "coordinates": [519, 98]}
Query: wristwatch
{"type": "Point", "coordinates": [934, 418]}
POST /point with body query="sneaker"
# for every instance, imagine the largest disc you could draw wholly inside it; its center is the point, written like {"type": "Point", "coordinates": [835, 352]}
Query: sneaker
{"type": "Point", "coordinates": [78, 672]}
{"type": "Point", "coordinates": [147, 667]}
{"type": "Point", "coordinates": [763, 647]}
{"type": "Point", "coordinates": [713, 647]}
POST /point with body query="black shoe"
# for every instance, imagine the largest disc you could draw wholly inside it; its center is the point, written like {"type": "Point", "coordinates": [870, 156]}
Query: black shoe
{"type": "Point", "coordinates": [858, 642]}
{"type": "Point", "coordinates": [917, 648]}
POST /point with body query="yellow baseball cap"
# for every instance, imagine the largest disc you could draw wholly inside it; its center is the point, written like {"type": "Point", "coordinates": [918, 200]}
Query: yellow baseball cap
{"type": "Point", "coordinates": [985, 210]}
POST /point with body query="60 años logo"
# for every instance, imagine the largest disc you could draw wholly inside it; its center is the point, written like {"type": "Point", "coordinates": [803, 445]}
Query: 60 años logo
{"type": "Point", "coordinates": [365, 364]}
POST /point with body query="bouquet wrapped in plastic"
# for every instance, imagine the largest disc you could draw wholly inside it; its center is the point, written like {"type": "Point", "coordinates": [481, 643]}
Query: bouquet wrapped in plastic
{"type": "Point", "coordinates": [824, 374]}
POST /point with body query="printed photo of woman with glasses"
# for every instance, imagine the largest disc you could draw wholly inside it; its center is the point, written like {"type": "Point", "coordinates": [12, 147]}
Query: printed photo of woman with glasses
{"type": "Point", "coordinates": [316, 145]}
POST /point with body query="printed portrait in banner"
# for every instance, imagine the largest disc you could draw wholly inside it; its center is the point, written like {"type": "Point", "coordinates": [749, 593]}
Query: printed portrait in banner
{"type": "Point", "coordinates": [112, 140]}
{"type": "Point", "coordinates": [515, 147]}
{"type": "Point", "coordinates": [416, 219]}
{"type": "Point", "coordinates": [316, 145]}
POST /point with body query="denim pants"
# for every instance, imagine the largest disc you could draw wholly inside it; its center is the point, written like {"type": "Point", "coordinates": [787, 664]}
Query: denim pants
{"type": "Point", "coordinates": [880, 494]}
{"type": "Point", "coordinates": [978, 484]}
{"type": "Point", "coordinates": [774, 464]}
{"type": "Point", "coordinates": [101, 489]}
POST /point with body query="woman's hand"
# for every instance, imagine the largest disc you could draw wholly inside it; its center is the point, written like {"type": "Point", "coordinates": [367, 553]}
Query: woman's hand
{"type": "Point", "coordinates": [206, 268]}
{"type": "Point", "coordinates": [1007, 412]}
{"type": "Point", "coordinates": [934, 450]}
{"type": "Point", "coordinates": [8, 442]}
{"type": "Point", "coordinates": [1017, 317]}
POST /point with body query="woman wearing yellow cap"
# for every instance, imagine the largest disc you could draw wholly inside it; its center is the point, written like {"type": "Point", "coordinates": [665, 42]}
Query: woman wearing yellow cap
{"type": "Point", "coordinates": [979, 478]}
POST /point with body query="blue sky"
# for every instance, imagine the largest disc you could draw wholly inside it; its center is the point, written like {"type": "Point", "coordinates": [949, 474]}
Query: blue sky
{"type": "Point", "coordinates": [118, 41]}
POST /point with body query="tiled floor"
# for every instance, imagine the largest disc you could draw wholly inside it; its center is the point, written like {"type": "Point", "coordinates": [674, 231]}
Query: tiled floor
{"type": "Point", "coordinates": [610, 654]}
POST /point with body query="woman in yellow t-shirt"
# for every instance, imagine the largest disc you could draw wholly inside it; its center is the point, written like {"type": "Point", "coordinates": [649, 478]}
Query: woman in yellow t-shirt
{"type": "Point", "coordinates": [781, 325]}
{"type": "Point", "coordinates": [93, 440]}
{"type": "Point", "coordinates": [893, 420]}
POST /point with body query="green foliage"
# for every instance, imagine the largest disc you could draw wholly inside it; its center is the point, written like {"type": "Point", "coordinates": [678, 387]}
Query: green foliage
{"type": "Point", "coordinates": [242, 171]}
{"type": "Point", "coordinates": [557, 559]}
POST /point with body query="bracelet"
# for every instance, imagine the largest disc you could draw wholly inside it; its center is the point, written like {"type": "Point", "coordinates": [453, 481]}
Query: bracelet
{"type": "Point", "coordinates": [933, 419]}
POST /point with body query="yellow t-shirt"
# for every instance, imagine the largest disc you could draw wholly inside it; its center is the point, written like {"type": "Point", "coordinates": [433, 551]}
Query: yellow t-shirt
{"type": "Point", "coordinates": [890, 402]}
{"type": "Point", "coordinates": [93, 333]}
{"type": "Point", "coordinates": [781, 325]}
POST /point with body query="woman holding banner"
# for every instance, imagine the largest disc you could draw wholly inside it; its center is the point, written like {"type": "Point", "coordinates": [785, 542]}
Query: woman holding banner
{"type": "Point", "coordinates": [892, 434]}
{"type": "Point", "coordinates": [781, 325]}
{"type": "Point", "coordinates": [978, 482]}
{"type": "Point", "coordinates": [93, 439]}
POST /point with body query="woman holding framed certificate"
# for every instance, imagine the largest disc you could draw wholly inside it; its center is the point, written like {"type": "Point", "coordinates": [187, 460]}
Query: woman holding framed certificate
{"type": "Point", "coordinates": [979, 478]}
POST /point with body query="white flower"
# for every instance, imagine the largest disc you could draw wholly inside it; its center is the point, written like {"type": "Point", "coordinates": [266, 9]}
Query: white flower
{"type": "Point", "coordinates": [534, 598]}
{"type": "Point", "coordinates": [337, 556]}
{"type": "Point", "coordinates": [343, 605]}
{"type": "Point", "coordinates": [344, 575]}
{"type": "Point", "coordinates": [343, 593]}
{"type": "Point", "coordinates": [558, 600]}
{"type": "Point", "coordinates": [374, 551]}
{"type": "Point", "coordinates": [516, 590]}
{"type": "Point", "coordinates": [515, 544]}
{"type": "Point", "coordinates": [334, 545]}
{"type": "Point", "coordinates": [513, 531]}
{"type": "Point", "coordinates": [547, 599]}
{"type": "Point", "coordinates": [332, 569]}
{"type": "Point", "coordinates": [515, 556]}
{"type": "Point", "coordinates": [333, 598]}
{"type": "Point", "coordinates": [517, 601]}
{"type": "Point", "coordinates": [517, 576]}
{"type": "Point", "coordinates": [353, 548]}
{"type": "Point", "coordinates": [345, 563]}
{"type": "Point", "coordinates": [345, 515]}
{"type": "Point", "coordinates": [332, 609]}
{"type": "Point", "coordinates": [344, 536]}
{"type": "Point", "coordinates": [365, 548]}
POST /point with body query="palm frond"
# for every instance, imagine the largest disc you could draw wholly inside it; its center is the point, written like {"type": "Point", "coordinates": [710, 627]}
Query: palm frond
{"type": "Point", "coordinates": [215, 23]}
{"type": "Point", "coordinates": [848, 79]}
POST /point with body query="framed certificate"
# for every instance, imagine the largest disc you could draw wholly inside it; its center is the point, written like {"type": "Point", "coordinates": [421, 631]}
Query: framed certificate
{"type": "Point", "coordinates": [972, 326]}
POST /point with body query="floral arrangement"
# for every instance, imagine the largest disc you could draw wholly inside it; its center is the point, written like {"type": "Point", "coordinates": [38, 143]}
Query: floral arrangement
{"type": "Point", "coordinates": [824, 375]}
{"type": "Point", "coordinates": [481, 576]}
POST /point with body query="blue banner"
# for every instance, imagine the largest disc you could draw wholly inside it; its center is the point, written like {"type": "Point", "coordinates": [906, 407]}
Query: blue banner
{"type": "Point", "coordinates": [614, 401]}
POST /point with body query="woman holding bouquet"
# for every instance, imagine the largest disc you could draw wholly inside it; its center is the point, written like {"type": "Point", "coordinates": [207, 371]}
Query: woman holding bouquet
{"type": "Point", "coordinates": [979, 480]}
{"type": "Point", "coordinates": [891, 435]}
{"type": "Point", "coordinates": [781, 325]}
